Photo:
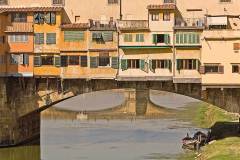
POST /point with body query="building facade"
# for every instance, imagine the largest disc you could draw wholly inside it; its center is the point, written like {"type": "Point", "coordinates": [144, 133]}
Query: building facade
{"type": "Point", "coordinates": [149, 40]}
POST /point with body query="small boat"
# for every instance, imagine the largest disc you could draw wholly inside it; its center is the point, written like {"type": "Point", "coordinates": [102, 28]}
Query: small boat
{"type": "Point", "coordinates": [82, 116]}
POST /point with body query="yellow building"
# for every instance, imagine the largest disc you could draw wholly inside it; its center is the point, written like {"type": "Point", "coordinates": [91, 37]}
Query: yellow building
{"type": "Point", "coordinates": [47, 22]}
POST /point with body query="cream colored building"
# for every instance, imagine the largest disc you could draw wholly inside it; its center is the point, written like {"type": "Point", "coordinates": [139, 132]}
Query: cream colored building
{"type": "Point", "coordinates": [187, 41]}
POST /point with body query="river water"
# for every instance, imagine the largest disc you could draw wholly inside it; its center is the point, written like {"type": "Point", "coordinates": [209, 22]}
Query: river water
{"type": "Point", "coordinates": [118, 139]}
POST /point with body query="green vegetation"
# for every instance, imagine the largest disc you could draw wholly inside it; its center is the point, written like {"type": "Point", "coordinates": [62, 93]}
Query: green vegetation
{"type": "Point", "coordinates": [207, 116]}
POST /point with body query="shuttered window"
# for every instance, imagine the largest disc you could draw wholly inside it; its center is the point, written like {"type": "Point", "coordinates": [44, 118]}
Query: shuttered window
{"type": "Point", "coordinates": [25, 59]}
{"type": "Point", "coordinates": [51, 38]}
{"type": "Point", "coordinates": [83, 61]}
{"type": "Point", "coordinates": [72, 36]}
{"type": "Point", "coordinates": [107, 36]}
{"type": "Point", "coordinates": [161, 38]}
{"type": "Point", "coordinates": [115, 62]}
{"type": "Point", "coordinates": [39, 38]}
{"type": "Point", "coordinates": [128, 38]}
{"type": "Point", "coordinates": [124, 64]}
{"type": "Point", "coordinates": [188, 64]}
{"type": "Point", "coordinates": [187, 38]}
{"type": "Point", "coordinates": [93, 62]}
{"type": "Point", "coordinates": [39, 18]}
{"type": "Point", "coordinates": [139, 37]}
{"type": "Point", "coordinates": [14, 59]}
{"type": "Point", "coordinates": [73, 60]}
{"type": "Point", "coordinates": [37, 61]}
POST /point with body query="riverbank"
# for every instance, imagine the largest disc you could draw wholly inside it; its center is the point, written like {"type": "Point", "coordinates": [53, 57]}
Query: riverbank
{"type": "Point", "coordinates": [224, 128]}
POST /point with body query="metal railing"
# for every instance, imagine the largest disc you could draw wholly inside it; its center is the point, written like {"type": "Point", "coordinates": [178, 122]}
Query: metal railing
{"type": "Point", "coordinates": [190, 22]}
{"type": "Point", "coordinates": [133, 24]}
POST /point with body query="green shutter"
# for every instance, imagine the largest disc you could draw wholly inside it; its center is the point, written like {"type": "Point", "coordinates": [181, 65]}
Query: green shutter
{"type": "Point", "coordinates": [39, 38]}
{"type": "Point", "coordinates": [26, 59]}
{"type": "Point", "coordinates": [152, 69]}
{"type": "Point", "coordinates": [154, 38]}
{"type": "Point", "coordinates": [137, 38]}
{"type": "Point", "coordinates": [124, 65]}
{"type": "Point", "coordinates": [197, 38]}
{"type": "Point", "coordinates": [181, 38]}
{"type": "Point", "coordinates": [185, 41]}
{"type": "Point", "coordinates": [48, 18]}
{"type": "Point", "coordinates": [93, 62]}
{"type": "Point", "coordinates": [115, 62]}
{"type": "Point", "coordinates": [107, 36]}
{"type": "Point", "coordinates": [177, 38]}
{"type": "Point", "coordinates": [57, 61]}
{"type": "Point", "coordinates": [72, 36]}
{"type": "Point", "coordinates": [51, 38]}
{"type": "Point", "coordinates": [194, 37]}
{"type": "Point", "coordinates": [166, 38]}
{"type": "Point", "coordinates": [37, 61]}
{"type": "Point", "coordinates": [53, 18]}
{"type": "Point", "coordinates": [142, 64]}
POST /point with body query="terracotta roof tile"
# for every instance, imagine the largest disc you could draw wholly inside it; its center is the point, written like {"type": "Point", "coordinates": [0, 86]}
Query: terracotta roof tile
{"type": "Point", "coordinates": [75, 26]}
{"type": "Point", "coordinates": [29, 9]}
{"type": "Point", "coordinates": [164, 6]}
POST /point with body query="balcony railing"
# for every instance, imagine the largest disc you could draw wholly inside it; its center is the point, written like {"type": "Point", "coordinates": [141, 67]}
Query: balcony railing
{"type": "Point", "coordinates": [133, 24]}
{"type": "Point", "coordinates": [190, 23]}
{"type": "Point", "coordinates": [20, 27]}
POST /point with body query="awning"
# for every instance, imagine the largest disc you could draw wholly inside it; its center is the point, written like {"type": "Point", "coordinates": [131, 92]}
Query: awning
{"type": "Point", "coordinates": [223, 20]}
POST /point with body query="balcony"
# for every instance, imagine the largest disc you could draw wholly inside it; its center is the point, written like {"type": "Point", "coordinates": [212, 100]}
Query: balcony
{"type": "Point", "coordinates": [133, 25]}
{"type": "Point", "coordinates": [190, 23]}
{"type": "Point", "coordinates": [20, 27]}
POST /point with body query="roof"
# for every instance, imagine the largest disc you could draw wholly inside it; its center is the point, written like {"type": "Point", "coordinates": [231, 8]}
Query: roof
{"type": "Point", "coordinates": [75, 26]}
{"type": "Point", "coordinates": [30, 9]}
{"type": "Point", "coordinates": [164, 6]}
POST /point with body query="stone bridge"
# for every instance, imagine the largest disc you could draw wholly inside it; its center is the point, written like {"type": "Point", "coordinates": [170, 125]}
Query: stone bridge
{"type": "Point", "coordinates": [22, 100]}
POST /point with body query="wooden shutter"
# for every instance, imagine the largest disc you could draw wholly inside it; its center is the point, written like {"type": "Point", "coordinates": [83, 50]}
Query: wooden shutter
{"type": "Point", "coordinates": [179, 64]}
{"type": "Point", "coordinates": [48, 18]}
{"type": "Point", "coordinates": [108, 36]}
{"type": "Point", "coordinates": [83, 61]}
{"type": "Point", "coordinates": [41, 18]}
{"type": "Point", "coordinates": [115, 62]}
{"type": "Point", "coordinates": [142, 64]}
{"type": "Point", "coordinates": [51, 38]}
{"type": "Point", "coordinates": [166, 38]}
{"type": "Point", "coordinates": [53, 18]}
{"type": "Point", "coordinates": [194, 63]}
{"type": "Point", "coordinates": [64, 61]}
{"type": "Point", "coordinates": [221, 69]}
{"type": "Point", "coordinates": [154, 38]}
{"type": "Point", "coordinates": [21, 59]}
{"type": "Point", "coordinates": [202, 69]}
{"type": "Point", "coordinates": [37, 61]}
{"type": "Point", "coordinates": [57, 61]}
{"type": "Point", "coordinates": [71, 36]}
{"type": "Point", "coordinates": [124, 64]}
{"type": "Point", "coordinates": [93, 62]}
{"type": "Point", "coordinates": [26, 59]}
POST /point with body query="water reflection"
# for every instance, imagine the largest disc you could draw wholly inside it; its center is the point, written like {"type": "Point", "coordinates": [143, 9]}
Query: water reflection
{"type": "Point", "coordinates": [20, 153]}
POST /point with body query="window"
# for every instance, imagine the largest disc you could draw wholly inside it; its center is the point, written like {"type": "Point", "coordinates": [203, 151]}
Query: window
{"type": "Point", "coordinates": [14, 59]}
{"type": "Point", "coordinates": [225, 1]}
{"type": "Point", "coordinates": [161, 64]}
{"type": "Point", "coordinates": [161, 38]}
{"type": "Point", "coordinates": [133, 63]}
{"type": "Point", "coordinates": [73, 60]}
{"type": "Point", "coordinates": [187, 38]}
{"type": "Point", "coordinates": [97, 37]}
{"type": "Point", "coordinates": [128, 38]}
{"type": "Point", "coordinates": [64, 61]}
{"type": "Point", "coordinates": [112, 1]}
{"type": "Point", "coordinates": [213, 68]}
{"type": "Point", "coordinates": [73, 36]}
{"type": "Point", "coordinates": [155, 16]}
{"type": "Point", "coordinates": [3, 2]}
{"type": "Point", "coordinates": [83, 61]}
{"type": "Point", "coordinates": [139, 37]}
{"type": "Point", "coordinates": [50, 18]}
{"type": "Point", "coordinates": [107, 36]}
{"type": "Point", "coordinates": [235, 68]}
{"type": "Point", "coordinates": [41, 17]}
{"type": "Point", "coordinates": [77, 19]}
{"type": "Point", "coordinates": [104, 59]}
{"type": "Point", "coordinates": [166, 16]}
{"type": "Point", "coordinates": [57, 2]}
{"type": "Point", "coordinates": [168, 1]}
{"type": "Point", "coordinates": [18, 38]}
{"type": "Point", "coordinates": [19, 17]}
{"type": "Point", "coordinates": [51, 38]}
{"type": "Point", "coordinates": [187, 64]}
{"type": "Point", "coordinates": [47, 60]}
{"type": "Point", "coordinates": [39, 38]}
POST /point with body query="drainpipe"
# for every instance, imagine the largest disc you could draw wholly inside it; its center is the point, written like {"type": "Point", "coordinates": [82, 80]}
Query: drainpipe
{"type": "Point", "coordinates": [174, 54]}
{"type": "Point", "coordinates": [121, 10]}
